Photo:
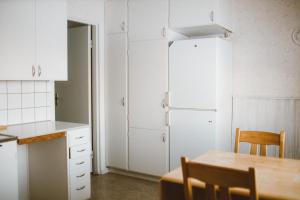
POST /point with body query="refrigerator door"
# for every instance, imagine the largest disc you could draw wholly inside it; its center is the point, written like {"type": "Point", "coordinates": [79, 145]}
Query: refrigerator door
{"type": "Point", "coordinates": [192, 74]}
{"type": "Point", "coordinates": [192, 133]}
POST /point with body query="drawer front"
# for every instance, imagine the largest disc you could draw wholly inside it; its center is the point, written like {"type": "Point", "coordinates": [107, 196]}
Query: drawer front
{"type": "Point", "coordinates": [80, 151]}
{"type": "Point", "coordinates": [81, 189]}
{"type": "Point", "coordinates": [79, 136]}
{"type": "Point", "coordinates": [79, 164]}
{"type": "Point", "coordinates": [79, 176]}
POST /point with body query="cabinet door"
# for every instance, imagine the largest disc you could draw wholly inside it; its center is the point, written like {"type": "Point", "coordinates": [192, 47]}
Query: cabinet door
{"type": "Point", "coordinates": [193, 74]}
{"type": "Point", "coordinates": [192, 133]}
{"type": "Point", "coordinates": [17, 39]}
{"type": "Point", "coordinates": [148, 83]}
{"type": "Point", "coordinates": [147, 19]}
{"type": "Point", "coordinates": [8, 171]}
{"type": "Point", "coordinates": [189, 13]}
{"type": "Point", "coordinates": [116, 101]}
{"type": "Point", "coordinates": [51, 37]}
{"type": "Point", "coordinates": [148, 151]}
{"type": "Point", "coordinates": [115, 16]}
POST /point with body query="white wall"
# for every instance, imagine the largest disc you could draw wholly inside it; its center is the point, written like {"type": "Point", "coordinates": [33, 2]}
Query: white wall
{"type": "Point", "coordinates": [265, 59]}
{"type": "Point", "coordinates": [266, 69]}
{"type": "Point", "coordinates": [92, 12]}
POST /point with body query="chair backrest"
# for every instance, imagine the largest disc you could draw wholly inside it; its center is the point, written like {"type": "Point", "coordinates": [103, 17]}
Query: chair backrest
{"type": "Point", "coordinates": [214, 176]}
{"type": "Point", "coordinates": [260, 138]}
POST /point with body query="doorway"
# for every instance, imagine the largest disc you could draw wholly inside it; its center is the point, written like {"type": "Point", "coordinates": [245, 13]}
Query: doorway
{"type": "Point", "coordinates": [74, 98]}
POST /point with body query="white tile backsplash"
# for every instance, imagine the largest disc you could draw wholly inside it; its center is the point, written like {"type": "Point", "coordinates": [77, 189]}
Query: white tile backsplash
{"type": "Point", "coordinates": [40, 86]}
{"type": "Point", "coordinates": [27, 86]}
{"type": "Point", "coordinates": [26, 101]}
{"type": "Point", "coordinates": [14, 116]}
{"type": "Point", "coordinates": [3, 87]}
{"type": "Point", "coordinates": [14, 87]}
{"type": "Point", "coordinates": [14, 101]}
{"type": "Point", "coordinates": [40, 99]}
{"type": "Point", "coordinates": [3, 101]}
{"type": "Point", "coordinates": [28, 115]}
{"type": "Point", "coordinates": [3, 116]}
{"type": "Point", "coordinates": [41, 114]}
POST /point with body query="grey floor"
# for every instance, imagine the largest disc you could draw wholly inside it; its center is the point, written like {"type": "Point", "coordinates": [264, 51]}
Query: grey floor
{"type": "Point", "coordinates": [116, 187]}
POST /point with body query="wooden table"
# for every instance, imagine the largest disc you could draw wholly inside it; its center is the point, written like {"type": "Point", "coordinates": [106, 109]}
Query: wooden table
{"type": "Point", "coordinates": [275, 178]}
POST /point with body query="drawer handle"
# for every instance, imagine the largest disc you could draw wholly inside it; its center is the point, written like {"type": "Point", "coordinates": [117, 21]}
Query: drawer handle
{"type": "Point", "coordinates": [80, 163]}
{"type": "Point", "coordinates": [78, 138]}
{"type": "Point", "coordinates": [81, 188]}
{"type": "Point", "coordinates": [82, 150]}
{"type": "Point", "coordinates": [82, 175]}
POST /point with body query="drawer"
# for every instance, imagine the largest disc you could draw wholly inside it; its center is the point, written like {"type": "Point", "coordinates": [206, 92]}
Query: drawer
{"type": "Point", "coordinates": [81, 189]}
{"type": "Point", "coordinates": [79, 136]}
{"type": "Point", "coordinates": [79, 164]}
{"type": "Point", "coordinates": [83, 150]}
{"type": "Point", "coordinates": [80, 175]}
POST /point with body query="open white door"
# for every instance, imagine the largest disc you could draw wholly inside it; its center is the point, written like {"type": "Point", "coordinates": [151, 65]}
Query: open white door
{"type": "Point", "coordinates": [74, 96]}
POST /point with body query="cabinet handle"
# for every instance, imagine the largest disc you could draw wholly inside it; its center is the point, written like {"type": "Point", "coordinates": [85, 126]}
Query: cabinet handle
{"type": "Point", "coordinates": [0, 145]}
{"type": "Point", "coordinates": [122, 26]}
{"type": "Point", "coordinates": [163, 32]}
{"type": "Point", "coordinates": [33, 71]}
{"type": "Point", "coordinates": [164, 138]}
{"type": "Point", "coordinates": [78, 138]}
{"type": "Point", "coordinates": [81, 188]}
{"type": "Point", "coordinates": [80, 163]}
{"type": "Point", "coordinates": [39, 70]}
{"type": "Point", "coordinates": [82, 150]}
{"type": "Point", "coordinates": [82, 175]}
{"type": "Point", "coordinates": [123, 101]}
{"type": "Point", "coordinates": [211, 16]}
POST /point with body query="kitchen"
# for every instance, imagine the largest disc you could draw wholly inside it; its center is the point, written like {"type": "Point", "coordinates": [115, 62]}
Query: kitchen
{"type": "Point", "coordinates": [142, 111]}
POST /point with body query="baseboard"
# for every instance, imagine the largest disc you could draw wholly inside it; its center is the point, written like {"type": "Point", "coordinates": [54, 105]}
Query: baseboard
{"type": "Point", "coordinates": [134, 174]}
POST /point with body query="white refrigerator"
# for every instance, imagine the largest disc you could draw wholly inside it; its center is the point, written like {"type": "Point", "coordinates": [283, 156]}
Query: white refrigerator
{"type": "Point", "coordinates": [193, 87]}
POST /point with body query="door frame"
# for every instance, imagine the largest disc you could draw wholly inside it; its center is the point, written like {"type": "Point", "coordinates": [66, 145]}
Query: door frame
{"type": "Point", "coordinates": [98, 114]}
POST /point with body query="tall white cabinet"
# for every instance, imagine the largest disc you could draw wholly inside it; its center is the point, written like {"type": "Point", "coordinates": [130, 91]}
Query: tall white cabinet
{"type": "Point", "coordinates": [33, 40]}
{"type": "Point", "coordinates": [138, 119]}
{"type": "Point", "coordinates": [116, 81]}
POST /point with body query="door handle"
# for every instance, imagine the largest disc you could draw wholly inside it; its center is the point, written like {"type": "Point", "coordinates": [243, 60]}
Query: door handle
{"type": "Point", "coordinates": [123, 101]}
{"type": "Point", "coordinates": [56, 99]}
{"type": "Point", "coordinates": [39, 70]}
{"type": "Point", "coordinates": [33, 71]}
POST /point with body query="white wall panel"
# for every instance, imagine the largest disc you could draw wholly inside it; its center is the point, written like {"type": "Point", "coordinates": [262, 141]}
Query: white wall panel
{"type": "Point", "coordinates": [269, 114]}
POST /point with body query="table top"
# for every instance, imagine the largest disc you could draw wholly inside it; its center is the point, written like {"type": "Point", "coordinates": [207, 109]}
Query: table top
{"type": "Point", "coordinates": [40, 131]}
{"type": "Point", "coordinates": [275, 178]}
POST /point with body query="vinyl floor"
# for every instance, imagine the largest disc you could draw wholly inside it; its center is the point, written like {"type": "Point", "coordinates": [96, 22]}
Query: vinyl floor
{"type": "Point", "coordinates": [118, 187]}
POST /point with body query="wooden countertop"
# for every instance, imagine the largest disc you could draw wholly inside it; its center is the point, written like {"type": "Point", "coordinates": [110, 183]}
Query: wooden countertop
{"type": "Point", "coordinates": [40, 131]}
{"type": "Point", "coordinates": [276, 178]}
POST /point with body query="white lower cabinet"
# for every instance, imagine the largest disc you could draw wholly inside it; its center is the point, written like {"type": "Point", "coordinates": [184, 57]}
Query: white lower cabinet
{"type": "Point", "coordinates": [8, 171]}
{"type": "Point", "coordinates": [148, 151]}
{"type": "Point", "coordinates": [79, 147]}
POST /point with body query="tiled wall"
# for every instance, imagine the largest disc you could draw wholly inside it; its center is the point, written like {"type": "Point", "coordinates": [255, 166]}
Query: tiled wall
{"type": "Point", "coordinates": [26, 101]}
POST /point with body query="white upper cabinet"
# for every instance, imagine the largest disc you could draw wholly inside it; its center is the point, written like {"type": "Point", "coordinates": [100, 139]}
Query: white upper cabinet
{"type": "Point", "coordinates": [51, 37]}
{"type": "Point", "coordinates": [148, 20]}
{"type": "Point", "coordinates": [17, 39]}
{"type": "Point", "coordinates": [33, 40]}
{"type": "Point", "coordinates": [195, 13]}
{"type": "Point", "coordinates": [115, 16]}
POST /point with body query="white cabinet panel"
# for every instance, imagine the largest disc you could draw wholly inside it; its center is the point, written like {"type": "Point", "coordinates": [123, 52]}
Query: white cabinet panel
{"type": "Point", "coordinates": [147, 19]}
{"type": "Point", "coordinates": [193, 74]}
{"type": "Point", "coordinates": [148, 151]}
{"type": "Point", "coordinates": [51, 37]}
{"type": "Point", "coordinates": [8, 171]}
{"type": "Point", "coordinates": [148, 83]}
{"type": "Point", "coordinates": [192, 133]}
{"type": "Point", "coordinates": [189, 13]}
{"type": "Point", "coordinates": [193, 13]}
{"type": "Point", "coordinates": [17, 39]}
{"type": "Point", "coordinates": [115, 16]}
{"type": "Point", "coordinates": [116, 101]}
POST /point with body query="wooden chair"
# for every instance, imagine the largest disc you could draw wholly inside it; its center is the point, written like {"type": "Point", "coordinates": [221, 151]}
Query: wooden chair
{"type": "Point", "coordinates": [214, 176]}
{"type": "Point", "coordinates": [260, 138]}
